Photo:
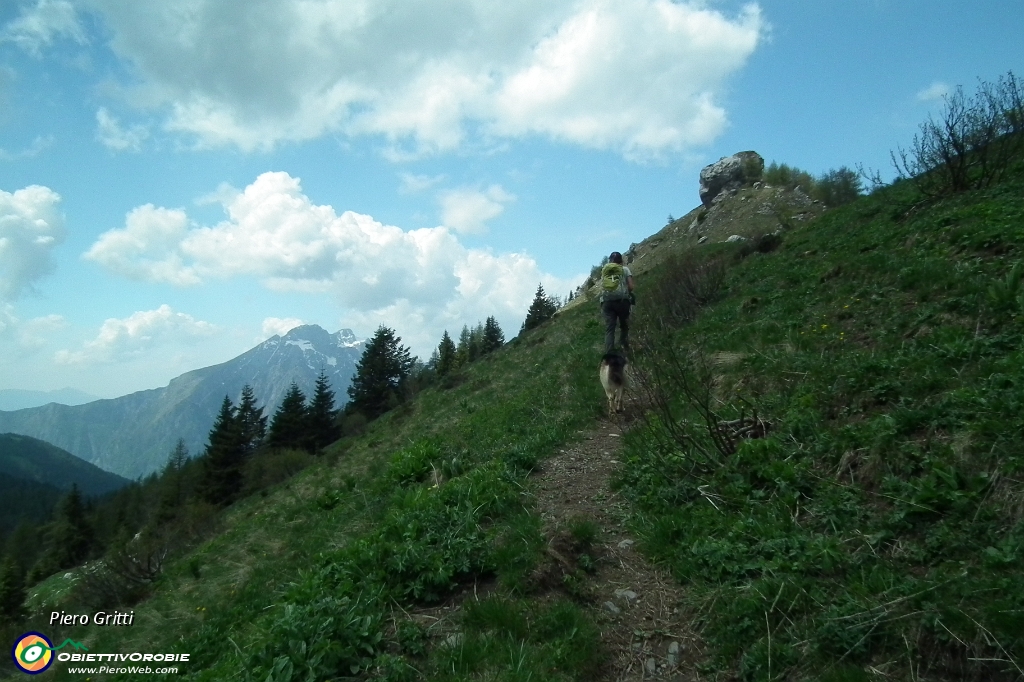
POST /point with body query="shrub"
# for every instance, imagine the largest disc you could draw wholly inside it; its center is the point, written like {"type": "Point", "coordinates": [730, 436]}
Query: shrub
{"type": "Point", "coordinates": [125, 575]}
{"type": "Point", "coordinates": [972, 145]}
{"type": "Point", "coordinates": [788, 177]}
{"type": "Point", "coordinates": [354, 424]}
{"type": "Point", "coordinates": [677, 383]}
{"type": "Point", "coordinates": [270, 467]}
{"type": "Point", "coordinates": [688, 283]}
{"type": "Point", "coordinates": [834, 187]}
{"type": "Point", "coordinates": [838, 187]}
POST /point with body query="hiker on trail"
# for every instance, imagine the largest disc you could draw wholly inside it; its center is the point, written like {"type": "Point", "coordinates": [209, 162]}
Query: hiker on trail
{"type": "Point", "coordinates": [616, 298]}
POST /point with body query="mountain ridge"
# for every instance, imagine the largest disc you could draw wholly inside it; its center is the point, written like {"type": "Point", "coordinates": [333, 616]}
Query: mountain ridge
{"type": "Point", "coordinates": [132, 435]}
{"type": "Point", "coordinates": [31, 459]}
{"type": "Point", "coordinates": [19, 399]}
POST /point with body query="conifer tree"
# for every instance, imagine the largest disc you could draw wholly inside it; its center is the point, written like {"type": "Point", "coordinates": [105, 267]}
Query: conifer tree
{"type": "Point", "coordinates": [476, 341]}
{"type": "Point", "coordinates": [222, 464]}
{"type": "Point", "coordinates": [381, 375]}
{"type": "Point", "coordinates": [464, 351]}
{"type": "Point", "coordinates": [251, 421]}
{"type": "Point", "coordinates": [446, 355]}
{"type": "Point", "coordinates": [288, 427]}
{"type": "Point", "coordinates": [23, 545]}
{"type": "Point", "coordinates": [12, 592]}
{"type": "Point", "coordinates": [493, 337]}
{"type": "Point", "coordinates": [541, 310]}
{"type": "Point", "coordinates": [322, 428]}
{"type": "Point", "coordinates": [69, 538]}
{"type": "Point", "coordinates": [172, 484]}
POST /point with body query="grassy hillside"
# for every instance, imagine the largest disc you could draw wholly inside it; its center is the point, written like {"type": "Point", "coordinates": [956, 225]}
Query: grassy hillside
{"type": "Point", "coordinates": [874, 532]}
{"type": "Point", "coordinates": [312, 578]}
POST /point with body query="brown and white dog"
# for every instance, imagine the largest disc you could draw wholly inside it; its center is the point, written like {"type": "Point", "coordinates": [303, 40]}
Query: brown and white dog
{"type": "Point", "coordinates": [613, 378]}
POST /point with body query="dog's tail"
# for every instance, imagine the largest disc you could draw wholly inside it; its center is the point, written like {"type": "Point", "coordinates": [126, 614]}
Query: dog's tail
{"type": "Point", "coordinates": [616, 364]}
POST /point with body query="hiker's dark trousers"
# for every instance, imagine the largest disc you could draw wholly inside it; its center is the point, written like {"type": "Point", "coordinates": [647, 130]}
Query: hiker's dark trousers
{"type": "Point", "coordinates": [616, 311]}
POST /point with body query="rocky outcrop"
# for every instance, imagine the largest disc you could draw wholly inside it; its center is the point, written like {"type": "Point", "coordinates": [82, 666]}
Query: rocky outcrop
{"type": "Point", "coordinates": [729, 174]}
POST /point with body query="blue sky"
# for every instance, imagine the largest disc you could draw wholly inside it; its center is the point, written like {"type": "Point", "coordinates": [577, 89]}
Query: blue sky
{"type": "Point", "coordinates": [181, 179]}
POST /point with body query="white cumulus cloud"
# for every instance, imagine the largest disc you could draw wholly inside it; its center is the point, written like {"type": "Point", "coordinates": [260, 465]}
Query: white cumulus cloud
{"type": "Point", "coordinates": [639, 77]}
{"type": "Point", "coordinates": [147, 248]}
{"type": "Point", "coordinates": [279, 326]}
{"type": "Point", "coordinates": [422, 278]}
{"type": "Point", "coordinates": [467, 210]}
{"type": "Point", "coordinates": [120, 339]}
{"type": "Point", "coordinates": [30, 228]}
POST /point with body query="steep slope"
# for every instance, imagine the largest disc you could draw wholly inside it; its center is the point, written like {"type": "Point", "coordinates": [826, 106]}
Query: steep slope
{"type": "Point", "coordinates": [30, 459]}
{"type": "Point", "coordinates": [873, 527]}
{"type": "Point", "coordinates": [133, 435]}
{"type": "Point", "coordinates": [34, 475]}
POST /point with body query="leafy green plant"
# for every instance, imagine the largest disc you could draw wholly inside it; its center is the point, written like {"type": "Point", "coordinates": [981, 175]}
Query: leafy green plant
{"type": "Point", "coordinates": [872, 523]}
{"type": "Point", "coordinates": [584, 531]}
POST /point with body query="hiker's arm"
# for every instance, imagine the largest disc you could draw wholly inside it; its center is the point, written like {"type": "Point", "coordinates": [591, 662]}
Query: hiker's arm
{"type": "Point", "coordinates": [629, 283]}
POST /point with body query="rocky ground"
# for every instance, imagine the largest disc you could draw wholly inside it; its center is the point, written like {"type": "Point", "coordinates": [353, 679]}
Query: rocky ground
{"type": "Point", "coordinates": [645, 627]}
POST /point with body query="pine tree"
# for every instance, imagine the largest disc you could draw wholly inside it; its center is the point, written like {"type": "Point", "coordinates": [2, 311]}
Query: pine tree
{"type": "Point", "coordinates": [12, 592]}
{"type": "Point", "coordinates": [251, 421]}
{"type": "Point", "coordinates": [446, 355]}
{"type": "Point", "coordinates": [493, 337]}
{"type": "Point", "coordinates": [172, 485]}
{"type": "Point", "coordinates": [476, 341]}
{"type": "Point", "coordinates": [23, 545]}
{"type": "Point", "coordinates": [381, 375]}
{"type": "Point", "coordinates": [464, 351]}
{"type": "Point", "coordinates": [179, 455]}
{"type": "Point", "coordinates": [289, 425]}
{"type": "Point", "coordinates": [541, 310]}
{"type": "Point", "coordinates": [70, 538]}
{"type": "Point", "coordinates": [322, 428]}
{"type": "Point", "coordinates": [222, 464]}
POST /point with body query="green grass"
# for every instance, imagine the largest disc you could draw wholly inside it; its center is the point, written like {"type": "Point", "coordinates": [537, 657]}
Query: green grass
{"type": "Point", "coordinates": [878, 529]}
{"type": "Point", "coordinates": [310, 580]}
{"type": "Point", "coordinates": [881, 523]}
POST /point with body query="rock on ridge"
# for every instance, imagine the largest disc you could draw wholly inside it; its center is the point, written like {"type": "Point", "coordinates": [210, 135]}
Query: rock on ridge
{"type": "Point", "coordinates": [729, 174]}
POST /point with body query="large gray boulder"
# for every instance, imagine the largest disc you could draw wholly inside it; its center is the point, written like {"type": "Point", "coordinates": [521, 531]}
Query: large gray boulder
{"type": "Point", "coordinates": [730, 173]}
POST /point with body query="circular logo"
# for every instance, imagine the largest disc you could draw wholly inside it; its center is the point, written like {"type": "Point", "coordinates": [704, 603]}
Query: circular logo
{"type": "Point", "coordinates": [32, 653]}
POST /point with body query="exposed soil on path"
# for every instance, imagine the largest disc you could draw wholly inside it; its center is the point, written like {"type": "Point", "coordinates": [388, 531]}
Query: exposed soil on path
{"type": "Point", "coordinates": [644, 626]}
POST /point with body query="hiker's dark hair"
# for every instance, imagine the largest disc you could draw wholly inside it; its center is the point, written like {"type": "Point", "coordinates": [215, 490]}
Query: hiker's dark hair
{"type": "Point", "coordinates": [615, 257]}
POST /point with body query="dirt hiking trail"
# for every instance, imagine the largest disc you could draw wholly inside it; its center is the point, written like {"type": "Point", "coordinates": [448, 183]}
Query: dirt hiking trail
{"type": "Point", "coordinates": [646, 631]}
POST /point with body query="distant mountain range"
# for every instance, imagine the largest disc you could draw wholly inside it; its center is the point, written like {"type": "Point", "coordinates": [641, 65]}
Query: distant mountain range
{"type": "Point", "coordinates": [30, 459]}
{"type": "Point", "coordinates": [35, 475]}
{"type": "Point", "coordinates": [19, 399]}
{"type": "Point", "coordinates": [133, 435]}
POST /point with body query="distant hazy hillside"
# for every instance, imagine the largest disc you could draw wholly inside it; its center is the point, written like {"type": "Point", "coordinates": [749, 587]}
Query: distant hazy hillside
{"type": "Point", "coordinates": [31, 459]}
{"type": "Point", "coordinates": [34, 475]}
{"type": "Point", "coordinates": [19, 399]}
{"type": "Point", "coordinates": [133, 435]}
